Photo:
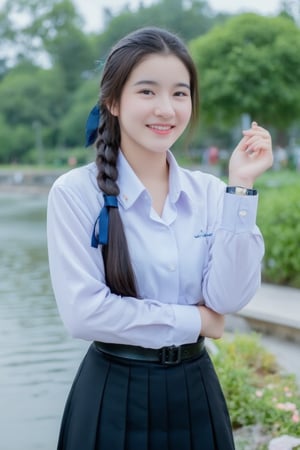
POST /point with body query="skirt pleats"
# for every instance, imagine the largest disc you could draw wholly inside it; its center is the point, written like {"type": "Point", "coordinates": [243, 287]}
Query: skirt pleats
{"type": "Point", "coordinates": [117, 404]}
{"type": "Point", "coordinates": [81, 416]}
{"type": "Point", "coordinates": [158, 415]}
{"type": "Point", "coordinates": [220, 420]}
{"type": "Point", "coordinates": [177, 410]}
{"type": "Point", "coordinates": [113, 409]}
{"type": "Point", "coordinates": [137, 409]}
{"type": "Point", "coordinates": [200, 414]}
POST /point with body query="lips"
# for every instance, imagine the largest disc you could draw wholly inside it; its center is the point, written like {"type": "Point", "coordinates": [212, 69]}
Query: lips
{"type": "Point", "coordinates": [161, 128]}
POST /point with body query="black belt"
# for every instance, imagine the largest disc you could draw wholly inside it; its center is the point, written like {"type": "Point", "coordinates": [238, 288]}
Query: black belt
{"type": "Point", "coordinates": [165, 355]}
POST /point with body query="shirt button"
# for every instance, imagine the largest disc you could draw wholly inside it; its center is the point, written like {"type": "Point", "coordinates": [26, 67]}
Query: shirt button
{"type": "Point", "coordinates": [172, 267]}
{"type": "Point", "coordinates": [242, 213]}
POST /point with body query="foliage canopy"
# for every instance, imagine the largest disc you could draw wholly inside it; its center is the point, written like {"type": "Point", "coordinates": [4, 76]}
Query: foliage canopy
{"type": "Point", "coordinates": [250, 65]}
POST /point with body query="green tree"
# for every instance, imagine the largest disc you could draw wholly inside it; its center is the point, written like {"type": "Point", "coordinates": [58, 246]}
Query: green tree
{"type": "Point", "coordinates": [30, 95]}
{"type": "Point", "coordinates": [16, 19]}
{"type": "Point", "coordinates": [72, 125]}
{"type": "Point", "coordinates": [6, 35]}
{"type": "Point", "coordinates": [68, 47]}
{"type": "Point", "coordinates": [51, 36]}
{"type": "Point", "coordinates": [187, 18]}
{"type": "Point", "coordinates": [6, 136]}
{"type": "Point", "coordinates": [49, 57]}
{"type": "Point", "coordinates": [251, 64]}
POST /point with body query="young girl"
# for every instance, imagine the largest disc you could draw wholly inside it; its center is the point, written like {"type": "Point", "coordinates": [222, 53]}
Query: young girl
{"type": "Point", "coordinates": [146, 257]}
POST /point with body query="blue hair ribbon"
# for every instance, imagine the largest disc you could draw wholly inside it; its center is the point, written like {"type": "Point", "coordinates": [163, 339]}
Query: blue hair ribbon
{"type": "Point", "coordinates": [91, 126]}
{"type": "Point", "coordinates": [110, 201]}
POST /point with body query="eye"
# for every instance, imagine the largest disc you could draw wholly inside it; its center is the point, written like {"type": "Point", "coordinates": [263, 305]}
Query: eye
{"type": "Point", "coordinates": [181, 94]}
{"type": "Point", "coordinates": [146, 92]}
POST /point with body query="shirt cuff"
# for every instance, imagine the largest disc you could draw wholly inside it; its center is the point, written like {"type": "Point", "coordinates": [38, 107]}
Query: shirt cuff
{"type": "Point", "coordinates": [187, 325]}
{"type": "Point", "coordinates": [239, 212]}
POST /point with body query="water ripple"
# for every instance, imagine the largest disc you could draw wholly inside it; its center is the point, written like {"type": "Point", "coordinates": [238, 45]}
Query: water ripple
{"type": "Point", "coordinates": [38, 360]}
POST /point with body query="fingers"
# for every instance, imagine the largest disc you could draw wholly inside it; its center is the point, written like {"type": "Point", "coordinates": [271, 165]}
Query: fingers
{"type": "Point", "coordinates": [242, 145]}
{"type": "Point", "coordinates": [252, 156]}
{"type": "Point", "coordinates": [256, 130]}
{"type": "Point", "coordinates": [257, 138]}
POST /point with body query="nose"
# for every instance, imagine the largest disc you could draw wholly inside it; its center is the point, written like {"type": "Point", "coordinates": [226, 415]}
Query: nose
{"type": "Point", "coordinates": [164, 107]}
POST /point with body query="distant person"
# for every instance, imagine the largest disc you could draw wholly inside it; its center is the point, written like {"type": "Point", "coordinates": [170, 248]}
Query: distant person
{"type": "Point", "coordinates": [213, 155]}
{"type": "Point", "coordinates": [146, 257]}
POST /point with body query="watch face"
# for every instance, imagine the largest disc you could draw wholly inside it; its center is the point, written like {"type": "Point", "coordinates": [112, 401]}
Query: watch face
{"type": "Point", "coordinates": [240, 190]}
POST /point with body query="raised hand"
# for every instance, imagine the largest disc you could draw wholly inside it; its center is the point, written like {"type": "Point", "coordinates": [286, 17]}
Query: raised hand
{"type": "Point", "coordinates": [252, 157]}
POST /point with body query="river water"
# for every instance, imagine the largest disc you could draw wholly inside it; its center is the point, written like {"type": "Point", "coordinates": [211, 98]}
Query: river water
{"type": "Point", "coordinates": [37, 359]}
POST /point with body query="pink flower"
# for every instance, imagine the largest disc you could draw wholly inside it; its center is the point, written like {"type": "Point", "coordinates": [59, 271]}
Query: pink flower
{"type": "Point", "coordinates": [286, 406]}
{"type": "Point", "coordinates": [295, 417]}
{"type": "Point", "coordinates": [259, 393]}
{"type": "Point", "coordinates": [290, 407]}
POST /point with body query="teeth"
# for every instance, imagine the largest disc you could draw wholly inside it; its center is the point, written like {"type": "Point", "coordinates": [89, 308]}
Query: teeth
{"type": "Point", "coordinates": [161, 127]}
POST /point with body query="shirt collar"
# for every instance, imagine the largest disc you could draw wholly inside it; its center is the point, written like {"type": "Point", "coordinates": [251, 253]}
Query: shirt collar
{"type": "Point", "coordinates": [131, 186]}
{"type": "Point", "coordinates": [174, 178]}
{"type": "Point", "coordinates": [179, 185]}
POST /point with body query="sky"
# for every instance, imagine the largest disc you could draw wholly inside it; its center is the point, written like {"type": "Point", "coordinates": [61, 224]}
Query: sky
{"type": "Point", "coordinates": [91, 9]}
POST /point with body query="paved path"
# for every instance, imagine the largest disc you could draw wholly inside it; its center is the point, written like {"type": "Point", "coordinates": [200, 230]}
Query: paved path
{"type": "Point", "coordinates": [276, 305]}
{"type": "Point", "coordinates": [275, 312]}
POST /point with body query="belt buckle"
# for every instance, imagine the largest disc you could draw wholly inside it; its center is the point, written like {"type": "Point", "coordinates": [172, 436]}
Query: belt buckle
{"type": "Point", "coordinates": [170, 355]}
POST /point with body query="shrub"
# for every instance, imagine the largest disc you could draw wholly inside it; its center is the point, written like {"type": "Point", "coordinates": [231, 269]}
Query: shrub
{"type": "Point", "coordinates": [255, 390]}
{"type": "Point", "coordinates": [278, 219]}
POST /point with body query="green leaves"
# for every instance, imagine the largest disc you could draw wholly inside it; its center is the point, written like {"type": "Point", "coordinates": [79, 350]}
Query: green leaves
{"type": "Point", "coordinates": [255, 389]}
{"type": "Point", "coordinates": [29, 95]}
{"type": "Point", "coordinates": [278, 219]}
{"type": "Point", "coordinates": [250, 65]}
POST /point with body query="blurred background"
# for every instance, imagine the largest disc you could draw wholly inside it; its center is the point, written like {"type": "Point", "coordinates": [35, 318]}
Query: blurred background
{"type": "Point", "coordinates": [51, 56]}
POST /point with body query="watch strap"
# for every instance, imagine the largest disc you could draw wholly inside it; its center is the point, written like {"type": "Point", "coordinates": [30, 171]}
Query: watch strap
{"type": "Point", "coordinates": [240, 190]}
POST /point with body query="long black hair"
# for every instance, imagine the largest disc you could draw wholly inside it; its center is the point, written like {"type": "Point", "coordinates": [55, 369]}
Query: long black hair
{"type": "Point", "coordinates": [123, 58]}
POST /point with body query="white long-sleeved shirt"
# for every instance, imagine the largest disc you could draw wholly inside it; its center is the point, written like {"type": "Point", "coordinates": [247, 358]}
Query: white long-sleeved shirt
{"type": "Point", "coordinates": [204, 249]}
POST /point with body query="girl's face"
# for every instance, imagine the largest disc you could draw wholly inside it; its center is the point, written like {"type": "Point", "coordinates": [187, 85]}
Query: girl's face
{"type": "Point", "coordinates": [155, 105]}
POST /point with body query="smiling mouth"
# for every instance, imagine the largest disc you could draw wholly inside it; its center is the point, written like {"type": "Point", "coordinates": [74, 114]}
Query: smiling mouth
{"type": "Point", "coordinates": [161, 127]}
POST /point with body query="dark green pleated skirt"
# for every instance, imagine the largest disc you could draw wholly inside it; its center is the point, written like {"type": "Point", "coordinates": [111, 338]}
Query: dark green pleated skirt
{"type": "Point", "coordinates": [117, 404]}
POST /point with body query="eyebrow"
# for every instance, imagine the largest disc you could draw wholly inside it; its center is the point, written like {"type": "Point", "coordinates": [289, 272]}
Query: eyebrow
{"type": "Point", "coordinates": [154, 83]}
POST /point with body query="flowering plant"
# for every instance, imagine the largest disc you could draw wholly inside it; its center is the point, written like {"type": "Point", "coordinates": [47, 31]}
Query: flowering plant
{"type": "Point", "coordinates": [256, 390]}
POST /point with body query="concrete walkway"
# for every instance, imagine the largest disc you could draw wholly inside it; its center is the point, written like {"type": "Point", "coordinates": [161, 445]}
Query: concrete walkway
{"type": "Point", "coordinates": [275, 313]}
{"type": "Point", "coordinates": [275, 310]}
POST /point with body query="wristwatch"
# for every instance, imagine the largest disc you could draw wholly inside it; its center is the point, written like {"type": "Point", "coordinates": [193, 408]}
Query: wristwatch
{"type": "Point", "coordinates": [240, 190]}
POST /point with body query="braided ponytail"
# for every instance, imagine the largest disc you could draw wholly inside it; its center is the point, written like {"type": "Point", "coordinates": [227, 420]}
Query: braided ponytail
{"type": "Point", "coordinates": [118, 268]}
